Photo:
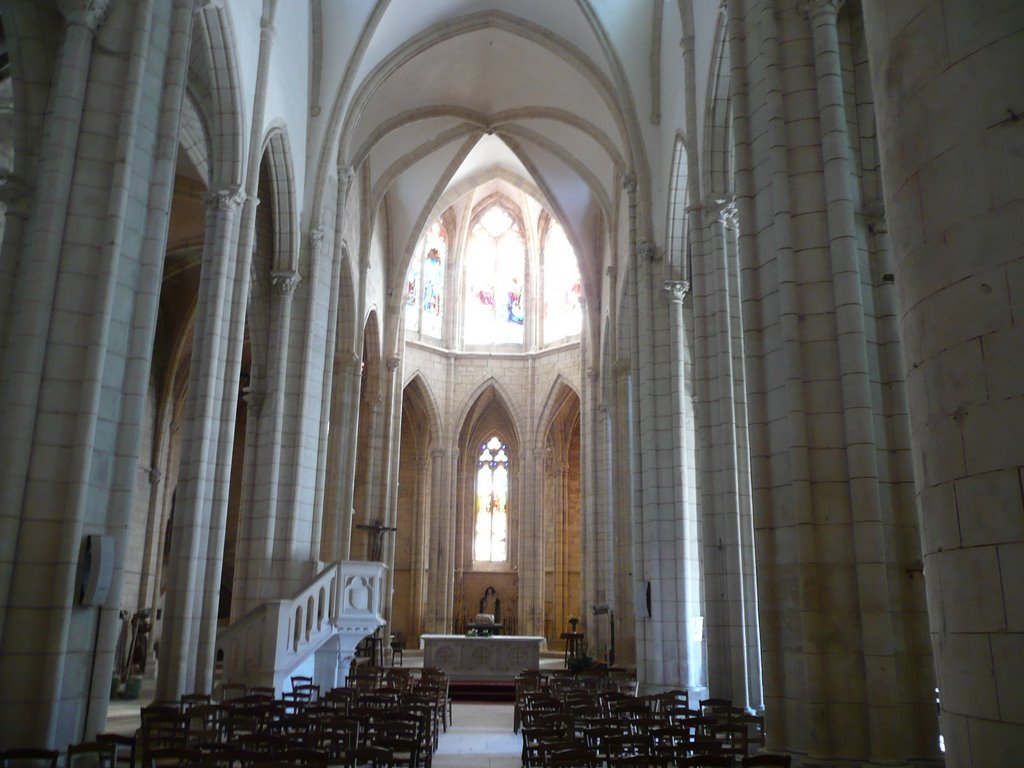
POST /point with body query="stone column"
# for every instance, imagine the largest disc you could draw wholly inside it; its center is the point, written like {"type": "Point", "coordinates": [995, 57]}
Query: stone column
{"type": "Point", "coordinates": [194, 510]}
{"type": "Point", "coordinates": [947, 89]}
{"type": "Point", "coordinates": [274, 545]}
{"type": "Point", "coordinates": [346, 425]}
{"type": "Point", "coordinates": [244, 597]}
{"type": "Point", "coordinates": [441, 517]}
{"type": "Point", "coordinates": [36, 274]}
{"type": "Point", "coordinates": [420, 519]}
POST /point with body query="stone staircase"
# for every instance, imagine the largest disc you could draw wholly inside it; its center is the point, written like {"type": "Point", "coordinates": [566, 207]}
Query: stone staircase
{"type": "Point", "coordinates": [314, 632]}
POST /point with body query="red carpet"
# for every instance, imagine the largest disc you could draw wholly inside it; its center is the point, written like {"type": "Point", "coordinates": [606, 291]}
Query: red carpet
{"type": "Point", "coordinates": [493, 691]}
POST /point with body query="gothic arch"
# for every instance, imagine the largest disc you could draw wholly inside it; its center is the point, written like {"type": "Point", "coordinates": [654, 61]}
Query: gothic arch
{"type": "Point", "coordinates": [213, 82]}
{"type": "Point", "coordinates": [717, 160]}
{"type": "Point", "coordinates": [559, 394]}
{"type": "Point", "coordinates": [498, 393]}
{"type": "Point", "coordinates": [278, 159]}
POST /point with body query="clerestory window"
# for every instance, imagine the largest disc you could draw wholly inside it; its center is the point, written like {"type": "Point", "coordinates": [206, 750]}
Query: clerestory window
{"type": "Point", "coordinates": [424, 283]}
{"type": "Point", "coordinates": [495, 277]}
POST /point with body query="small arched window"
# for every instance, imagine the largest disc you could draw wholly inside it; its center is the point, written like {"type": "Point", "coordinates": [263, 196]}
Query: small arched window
{"type": "Point", "coordinates": [490, 531]}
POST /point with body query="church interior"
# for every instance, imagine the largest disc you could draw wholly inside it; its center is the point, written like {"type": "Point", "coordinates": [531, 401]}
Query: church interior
{"type": "Point", "coordinates": [688, 332]}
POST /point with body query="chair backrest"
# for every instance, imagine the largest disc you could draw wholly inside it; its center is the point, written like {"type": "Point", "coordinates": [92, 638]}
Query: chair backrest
{"type": "Point", "coordinates": [767, 760]}
{"type": "Point", "coordinates": [29, 757]}
{"type": "Point", "coordinates": [230, 691]}
{"type": "Point", "coordinates": [124, 747]}
{"type": "Point", "coordinates": [94, 753]}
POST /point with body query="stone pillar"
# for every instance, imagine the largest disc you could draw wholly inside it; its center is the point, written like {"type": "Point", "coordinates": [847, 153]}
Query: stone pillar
{"type": "Point", "coordinates": [947, 88]}
{"type": "Point", "coordinates": [194, 511]}
{"type": "Point", "coordinates": [274, 545]}
{"type": "Point", "coordinates": [346, 425]}
{"type": "Point", "coordinates": [420, 519]}
{"type": "Point", "coordinates": [835, 553]}
{"type": "Point", "coordinates": [36, 274]}
{"type": "Point", "coordinates": [244, 597]}
{"type": "Point", "coordinates": [441, 517]}
{"type": "Point", "coordinates": [689, 596]}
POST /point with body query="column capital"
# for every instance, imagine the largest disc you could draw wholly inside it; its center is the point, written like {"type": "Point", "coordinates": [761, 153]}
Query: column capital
{"type": "Point", "coordinates": [629, 182]}
{"type": "Point", "coordinates": [89, 14]}
{"type": "Point", "coordinates": [346, 175]}
{"type": "Point", "coordinates": [676, 290]}
{"type": "Point", "coordinates": [155, 475]}
{"type": "Point", "coordinates": [226, 199]}
{"type": "Point", "coordinates": [253, 399]}
{"type": "Point", "coordinates": [316, 239]}
{"type": "Point", "coordinates": [814, 8]}
{"type": "Point", "coordinates": [393, 363]}
{"type": "Point", "coordinates": [647, 250]}
{"type": "Point", "coordinates": [286, 281]}
{"type": "Point", "coordinates": [874, 216]}
{"type": "Point", "coordinates": [14, 194]}
{"type": "Point", "coordinates": [621, 367]}
{"type": "Point", "coordinates": [438, 454]}
{"type": "Point", "coordinates": [592, 373]}
{"type": "Point", "coordinates": [208, 5]}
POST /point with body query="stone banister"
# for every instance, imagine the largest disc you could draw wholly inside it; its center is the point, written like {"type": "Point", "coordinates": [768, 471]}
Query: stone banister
{"type": "Point", "coordinates": [328, 617]}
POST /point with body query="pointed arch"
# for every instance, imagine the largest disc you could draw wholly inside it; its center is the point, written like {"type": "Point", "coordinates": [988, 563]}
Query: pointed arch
{"type": "Point", "coordinates": [213, 81]}
{"type": "Point", "coordinates": [416, 388]}
{"type": "Point", "coordinates": [490, 388]}
{"type": "Point", "coordinates": [560, 392]}
{"type": "Point", "coordinates": [277, 155]}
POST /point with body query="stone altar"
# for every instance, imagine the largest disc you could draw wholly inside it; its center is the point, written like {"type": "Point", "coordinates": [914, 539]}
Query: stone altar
{"type": "Point", "coordinates": [481, 658]}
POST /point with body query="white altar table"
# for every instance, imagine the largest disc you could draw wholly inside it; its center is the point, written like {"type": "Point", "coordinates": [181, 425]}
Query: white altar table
{"type": "Point", "coordinates": [500, 657]}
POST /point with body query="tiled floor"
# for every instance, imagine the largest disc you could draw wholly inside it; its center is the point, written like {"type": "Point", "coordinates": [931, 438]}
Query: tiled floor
{"type": "Point", "coordinates": [480, 737]}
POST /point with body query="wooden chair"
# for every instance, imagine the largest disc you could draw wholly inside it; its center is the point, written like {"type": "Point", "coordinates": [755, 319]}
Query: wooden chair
{"type": "Point", "coordinates": [628, 744]}
{"type": "Point", "coordinates": [367, 756]}
{"type": "Point", "coordinates": [28, 756]}
{"type": "Point", "coordinates": [754, 725]}
{"type": "Point", "coordinates": [535, 739]}
{"type": "Point", "coordinates": [710, 706]}
{"type": "Point", "coordinates": [707, 761]}
{"type": "Point", "coordinates": [569, 756]}
{"type": "Point", "coordinates": [639, 761]}
{"type": "Point", "coordinates": [123, 746]}
{"type": "Point", "coordinates": [766, 760]}
{"type": "Point", "coordinates": [189, 700]}
{"type": "Point", "coordinates": [166, 757]}
{"type": "Point", "coordinates": [229, 691]}
{"type": "Point", "coordinates": [91, 753]}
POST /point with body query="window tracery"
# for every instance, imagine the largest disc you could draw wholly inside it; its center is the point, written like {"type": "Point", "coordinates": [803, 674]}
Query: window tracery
{"type": "Point", "coordinates": [490, 530]}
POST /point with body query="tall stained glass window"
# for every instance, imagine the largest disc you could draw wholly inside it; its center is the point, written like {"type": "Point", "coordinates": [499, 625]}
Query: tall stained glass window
{"type": "Point", "coordinates": [563, 311]}
{"type": "Point", "coordinates": [495, 276]}
{"type": "Point", "coordinates": [490, 533]}
{"type": "Point", "coordinates": [424, 283]}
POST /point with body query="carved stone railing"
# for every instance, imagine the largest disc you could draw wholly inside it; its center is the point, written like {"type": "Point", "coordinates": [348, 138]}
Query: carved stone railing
{"type": "Point", "coordinates": [328, 618]}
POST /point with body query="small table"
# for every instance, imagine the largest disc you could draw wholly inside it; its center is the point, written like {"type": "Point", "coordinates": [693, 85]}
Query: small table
{"type": "Point", "coordinates": [573, 641]}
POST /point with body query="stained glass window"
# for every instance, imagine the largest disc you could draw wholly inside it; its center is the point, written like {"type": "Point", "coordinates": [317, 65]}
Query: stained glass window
{"type": "Point", "coordinates": [495, 276]}
{"type": "Point", "coordinates": [490, 533]}
{"type": "Point", "coordinates": [424, 283]}
{"type": "Point", "coordinates": [563, 312]}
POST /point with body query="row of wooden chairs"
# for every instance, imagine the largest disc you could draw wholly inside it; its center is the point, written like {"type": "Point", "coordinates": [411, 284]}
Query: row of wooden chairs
{"type": "Point", "coordinates": [400, 714]}
{"type": "Point", "coordinates": [108, 750]}
{"type": "Point", "coordinates": [613, 726]}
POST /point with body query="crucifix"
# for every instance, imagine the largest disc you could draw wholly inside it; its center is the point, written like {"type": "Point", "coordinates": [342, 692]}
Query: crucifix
{"type": "Point", "coordinates": [377, 530]}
